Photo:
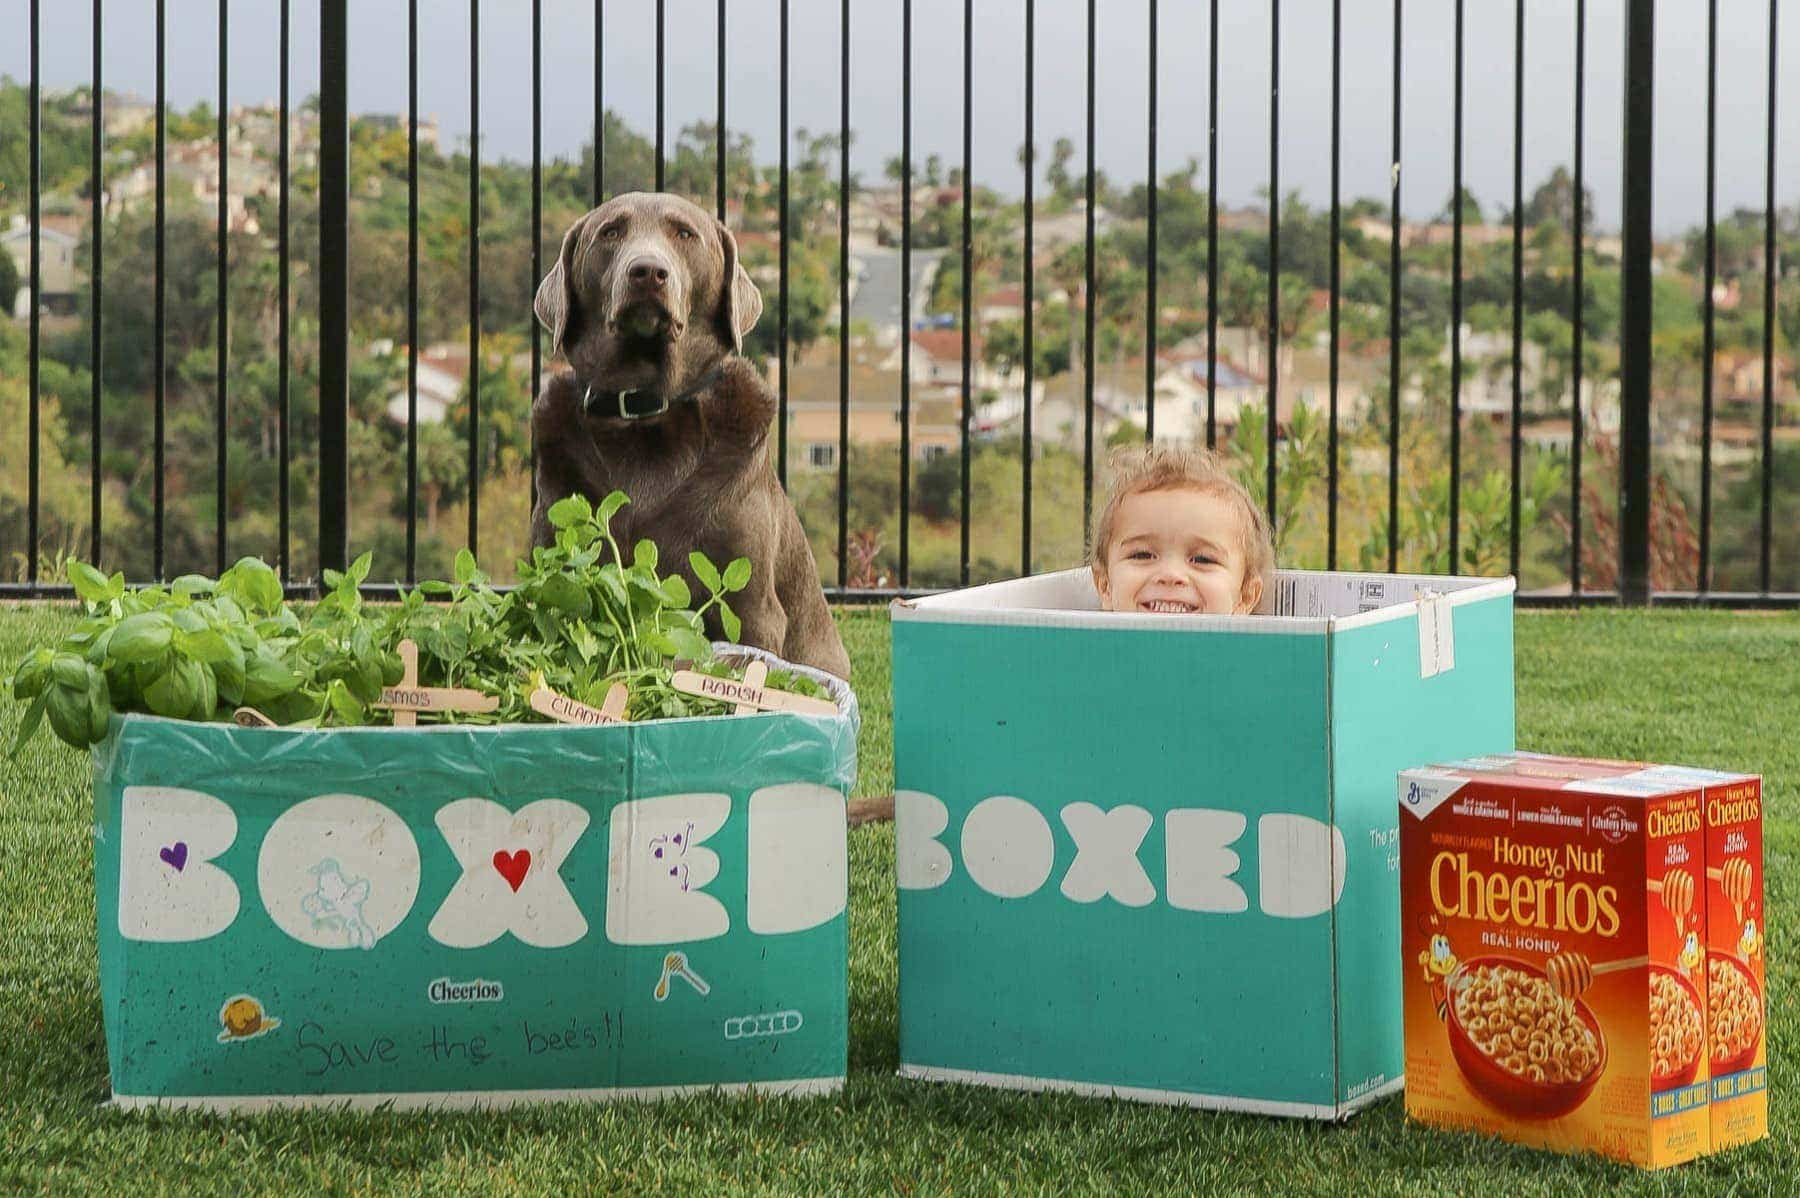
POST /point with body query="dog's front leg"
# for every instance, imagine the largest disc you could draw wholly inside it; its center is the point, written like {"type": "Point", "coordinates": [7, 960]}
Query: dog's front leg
{"type": "Point", "coordinates": [765, 623]}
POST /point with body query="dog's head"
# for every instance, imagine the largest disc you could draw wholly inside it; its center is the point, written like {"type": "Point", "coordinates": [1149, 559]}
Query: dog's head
{"type": "Point", "coordinates": [647, 292]}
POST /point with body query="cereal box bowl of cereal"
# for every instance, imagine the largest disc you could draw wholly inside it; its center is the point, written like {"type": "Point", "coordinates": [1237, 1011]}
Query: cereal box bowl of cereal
{"type": "Point", "coordinates": [1736, 1010]}
{"type": "Point", "coordinates": [1675, 1035]}
{"type": "Point", "coordinates": [1519, 1044]}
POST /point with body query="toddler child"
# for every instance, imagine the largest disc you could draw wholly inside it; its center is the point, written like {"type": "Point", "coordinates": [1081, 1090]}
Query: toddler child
{"type": "Point", "coordinates": [1179, 535]}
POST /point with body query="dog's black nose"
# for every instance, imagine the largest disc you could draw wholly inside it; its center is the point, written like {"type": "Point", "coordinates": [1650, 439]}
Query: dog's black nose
{"type": "Point", "coordinates": [648, 272]}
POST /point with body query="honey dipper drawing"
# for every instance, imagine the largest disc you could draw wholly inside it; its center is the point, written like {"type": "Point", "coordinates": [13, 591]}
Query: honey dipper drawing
{"type": "Point", "coordinates": [1676, 888]}
{"type": "Point", "coordinates": [1570, 974]}
{"type": "Point", "coordinates": [1734, 880]}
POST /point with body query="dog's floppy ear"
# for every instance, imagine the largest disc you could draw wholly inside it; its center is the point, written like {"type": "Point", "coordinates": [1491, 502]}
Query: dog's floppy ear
{"type": "Point", "coordinates": [555, 303]}
{"type": "Point", "coordinates": [740, 303]}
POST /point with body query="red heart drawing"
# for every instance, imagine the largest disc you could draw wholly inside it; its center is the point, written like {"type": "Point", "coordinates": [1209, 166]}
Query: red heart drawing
{"type": "Point", "coordinates": [513, 867]}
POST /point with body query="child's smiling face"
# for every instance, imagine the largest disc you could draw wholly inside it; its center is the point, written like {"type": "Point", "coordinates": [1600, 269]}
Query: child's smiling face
{"type": "Point", "coordinates": [1177, 552]}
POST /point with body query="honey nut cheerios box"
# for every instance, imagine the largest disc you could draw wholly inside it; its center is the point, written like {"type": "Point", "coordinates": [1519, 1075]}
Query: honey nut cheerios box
{"type": "Point", "coordinates": [1735, 973]}
{"type": "Point", "coordinates": [1553, 930]}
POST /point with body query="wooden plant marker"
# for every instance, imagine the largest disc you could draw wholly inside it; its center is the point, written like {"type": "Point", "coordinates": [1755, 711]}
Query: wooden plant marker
{"type": "Point", "coordinates": [750, 695]}
{"type": "Point", "coordinates": [755, 674]}
{"type": "Point", "coordinates": [249, 717]}
{"type": "Point", "coordinates": [565, 710]}
{"type": "Point", "coordinates": [408, 699]}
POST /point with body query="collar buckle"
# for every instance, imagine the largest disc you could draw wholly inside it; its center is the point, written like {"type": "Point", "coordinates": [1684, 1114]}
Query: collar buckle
{"type": "Point", "coordinates": [652, 405]}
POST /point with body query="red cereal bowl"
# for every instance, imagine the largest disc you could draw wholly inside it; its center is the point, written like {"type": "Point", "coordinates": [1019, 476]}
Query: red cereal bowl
{"type": "Point", "coordinates": [1685, 1075]}
{"type": "Point", "coordinates": [1746, 1056]}
{"type": "Point", "coordinates": [1493, 1081]}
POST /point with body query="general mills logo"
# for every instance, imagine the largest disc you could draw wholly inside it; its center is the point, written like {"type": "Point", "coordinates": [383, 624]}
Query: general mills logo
{"type": "Point", "coordinates": [1413, 794]}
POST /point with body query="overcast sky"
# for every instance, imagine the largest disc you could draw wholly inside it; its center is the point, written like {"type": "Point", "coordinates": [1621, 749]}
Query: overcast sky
{"type": "Point", "coordinates": [378, 83]}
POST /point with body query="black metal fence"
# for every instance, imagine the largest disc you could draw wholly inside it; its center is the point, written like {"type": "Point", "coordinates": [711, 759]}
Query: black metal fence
{"type": "Point", "coordinates": [336, 350]}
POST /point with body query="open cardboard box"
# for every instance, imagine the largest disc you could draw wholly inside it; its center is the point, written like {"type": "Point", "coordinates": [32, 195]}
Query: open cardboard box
{"type": "Point", "coordinates": [1156, 856]}
{"type": "Point", "coordinates": [460, 915]}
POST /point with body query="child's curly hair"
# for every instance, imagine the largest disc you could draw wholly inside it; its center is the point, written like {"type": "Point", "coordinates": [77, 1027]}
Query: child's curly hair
{"type": "Point", "coordinates": [1180, 467]}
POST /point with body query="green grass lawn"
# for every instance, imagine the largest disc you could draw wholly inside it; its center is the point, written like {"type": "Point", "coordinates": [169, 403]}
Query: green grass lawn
{"type": "Point", "coordinates": [1698, 688]}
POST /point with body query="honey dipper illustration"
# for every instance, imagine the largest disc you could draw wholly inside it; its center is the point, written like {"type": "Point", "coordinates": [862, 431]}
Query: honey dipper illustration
{"type": "Point", "coordinates": [675, 965]}
{"type": "Point", "coordinates": [1734, 880]}
{"type": "Point", "coordinates": [1676, 889]}
{"type": "Point", "coordinates": [1570, 974]}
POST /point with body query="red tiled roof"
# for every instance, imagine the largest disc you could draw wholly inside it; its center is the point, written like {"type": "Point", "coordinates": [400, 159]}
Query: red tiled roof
{"type": "Point", "coordinates": [945, 344]}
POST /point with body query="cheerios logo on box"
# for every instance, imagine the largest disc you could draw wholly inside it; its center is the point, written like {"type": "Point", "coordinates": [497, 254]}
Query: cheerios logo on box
{"type": "Point", "coordinates": [1552, 919]}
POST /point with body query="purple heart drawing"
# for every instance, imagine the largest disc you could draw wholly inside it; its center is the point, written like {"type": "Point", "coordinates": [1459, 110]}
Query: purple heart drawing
{"type": "Point", "coordinates": [176, 855]}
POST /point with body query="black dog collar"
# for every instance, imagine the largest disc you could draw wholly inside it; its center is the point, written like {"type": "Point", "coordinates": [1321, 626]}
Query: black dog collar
{"type": "Point", "coordinates": [639, 403]}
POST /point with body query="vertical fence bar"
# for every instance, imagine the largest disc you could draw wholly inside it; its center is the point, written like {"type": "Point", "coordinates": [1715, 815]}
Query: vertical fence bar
{"type": "Point", "coordinates": [159, 353]}
{"type": "Point", "coordinates": [1456, 298]}
{"type": "Point", "coordinates": [661, 62]}
{"type": "Point", "coordinates": [843, 454]}
{"type": "Point", "coordinates": [1635, 306]}
{"type": "Point", "coordinates": [1518, 276]}
{"type": "Point", "coordinates": [1274, 249]}
{"type": "Point", "coordinates": [334, 284]}
{"type": "Point", "coordinates": [1577, 425]}
{"type": "Point", "coordinates": [412, 292]}
{"type": "Point", "coordinates": [221, 431]}
{"type": "Point", "coordinates": [719, 125]}
{"type": "Point", "coordinates": [537, 227]}
{"type": "Point", "coordinates": [537, 179]}
{"type": "Point", "coordinates": [34, 189]}
{"type": "Point", "coordinates": [1331, 460]}
{"type": "Point", "coordinates": [1393, 527]}
{"type": "Point", "coordinates": [474, 275]}
{"type": "Point", "coordinates": [1212, 229]}
{"type": "Point", "coordinates": [1769, 280]}
{"type": "Point", "coordinates": [1150, 255]}
{"type": "Point", "coordinates": [1028, 450]}
{"type": "Point", "coordinates": [96, 230]}
{"type": "Point", "coordinates": [1704, 580]}
{"type": "Point", "coordinates": [905, 291]}
{"type": "Point", "coordinates": [600, 90]}
{"type": "Point", "coordinates": [968, 265]}
{"type": "Point", "coordinates": [283, 534]}
{"type": "Point", "coordinates": [1087, 304]}
{"type": "Point", "coordinates": [781, 334]}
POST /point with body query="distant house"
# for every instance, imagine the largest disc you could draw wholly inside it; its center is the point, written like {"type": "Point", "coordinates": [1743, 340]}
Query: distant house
{"type": "Point", "coordinates": [193, 168]}
{"type": "Point", "coordinates": [58, 242]}
{"type": "Point", "coordinates": [442, 372]}
{"type": "Point", "coordinates": [1002, 303]}
{"type": "Point", "coordinates": [1051, 233]}
{"type": "Point", "coordinates": [125, 113]}
{"type": "Point", "coordinates": [1181, 397]}
{"type": "Point", "coordinates": [872, 405]}
{"type": "Point", "coordinates": [390, 122]}
{"type": "Point", "coordinates": [937, 361]}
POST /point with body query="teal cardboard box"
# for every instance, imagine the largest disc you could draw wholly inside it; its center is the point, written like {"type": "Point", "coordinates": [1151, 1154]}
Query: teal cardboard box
{"type": "Point", "coordinates": [460, 916]}
{"type": "Point", "coordinates": [1156, 856]}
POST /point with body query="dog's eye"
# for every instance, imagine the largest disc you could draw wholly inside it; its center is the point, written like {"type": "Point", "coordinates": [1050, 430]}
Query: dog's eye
{"type": "Point", "coordinates": [684, 233]}
{"type": "Point", "coordinates": [613, 232]}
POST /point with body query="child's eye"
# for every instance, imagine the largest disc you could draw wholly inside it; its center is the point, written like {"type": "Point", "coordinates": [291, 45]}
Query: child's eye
{"type": "Point", "coordinates": [1141, 555]}
{"type": "Point", "coordinates": [1201, 559]}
